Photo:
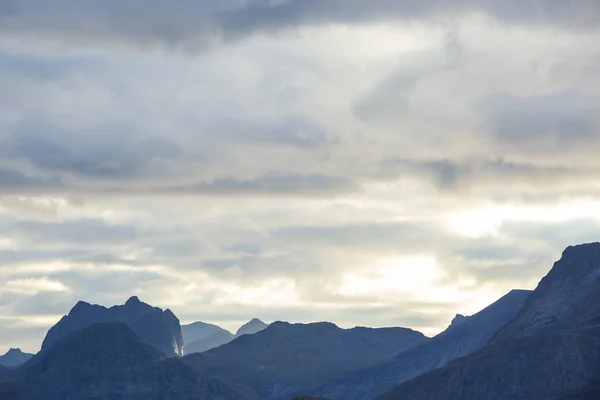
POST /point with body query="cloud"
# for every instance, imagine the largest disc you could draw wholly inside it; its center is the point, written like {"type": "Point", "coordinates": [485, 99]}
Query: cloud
{"type": "Point", "coordinates": [11, 180]}
{"type": "Point", "coordinates": [370, 163]}
{"type": "Point", "coordinates": [552, 122]}
{"type": "Point", "coordinates": [193, 24]}
{"type": "Point", "coordinates": [34, 286]}
{"type": "Point", "coordinates": [272, 185]}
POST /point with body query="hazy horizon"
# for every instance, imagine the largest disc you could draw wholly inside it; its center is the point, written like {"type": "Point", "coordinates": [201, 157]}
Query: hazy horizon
{"type": "Point", "coordinates": [384, 164]}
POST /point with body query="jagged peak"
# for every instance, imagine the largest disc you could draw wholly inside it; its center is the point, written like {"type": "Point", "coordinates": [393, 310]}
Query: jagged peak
{"type": "Point", "coordinates": [458, 319]}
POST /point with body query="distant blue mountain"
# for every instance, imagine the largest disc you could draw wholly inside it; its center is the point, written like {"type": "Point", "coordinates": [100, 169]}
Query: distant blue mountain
{"type": "Point", "coordinates": [200, 337]}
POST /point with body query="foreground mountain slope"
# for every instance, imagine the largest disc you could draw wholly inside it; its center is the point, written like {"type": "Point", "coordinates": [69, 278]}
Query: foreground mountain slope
{"type": "Point", "coordinates": [464, 336]}
{"type": "Point", "coordinates": [108, 361]}
{"type": "Point", "coordinates": [549, 351]}
{"type": "Point", "coordinates": [155, 326]}
{"type": "Point", "coordinates": [14, 358]}
{"type": "Point", "coordinates": [291, 359]}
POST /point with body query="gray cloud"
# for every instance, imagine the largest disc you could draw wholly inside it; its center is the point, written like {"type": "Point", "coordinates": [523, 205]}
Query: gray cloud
{"type": "Point", "coordinates": [101, 152]}
{"type": "Point", "coordinates": [187, 23]}
{"type": "Point", "coordinates": [11, 180]}
{"type": "Point", "coordinates": [272, 185]}
{"type": "Point", "coordinates": [557, 121]}
{"type": "Point", "coordinates": [277, 174]}
{"type": "Point", "coordinates": [81, 232]}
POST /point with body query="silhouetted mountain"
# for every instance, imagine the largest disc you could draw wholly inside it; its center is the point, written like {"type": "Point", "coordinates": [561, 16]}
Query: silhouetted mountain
{"type": "Point", "coordinates": [286, 359]}
{"type": "Point", "coordinates": [14, 358]}
{"type": "Point", "coordinates": [251, 327]}
{"type": "Point", "coordinates": [109, 361]}
{"type": "Point", "coordinates": [464, 336]}
{"type": "Point", "coordinates": [549, 351]}
{"type": "Point", "coordinates": [200, 336]}
{"type": "Point", "coordinates": [155, 326]}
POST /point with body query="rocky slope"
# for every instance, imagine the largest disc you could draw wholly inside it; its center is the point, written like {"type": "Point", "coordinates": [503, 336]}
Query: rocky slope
{"type": "Point", "coordinates": [14, 358]}
{"type": "Point", "coordinates": [155, 326]}
{"type": "Point", "coordinates": [293, 359]}
{"type": "Point", "coordinates": [464, 336]}
{"type": "Point", "coordinates": [551, 350]}
{"type": "Point", "coordinates": [109, 361]}
{"type": "Point", "coordinates": [200, 336]}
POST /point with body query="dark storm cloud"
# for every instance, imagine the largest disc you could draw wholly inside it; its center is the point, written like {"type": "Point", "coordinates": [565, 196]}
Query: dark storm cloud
{"type": "Point", "coordinates": [185, 22]}
{"type": "Point", "coordinates": [272, 184]}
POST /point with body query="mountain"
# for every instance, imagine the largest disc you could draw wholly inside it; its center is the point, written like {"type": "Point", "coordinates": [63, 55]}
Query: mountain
{"type": "Point", "coordinates": [14, 358]}
{"type": "Point", "coordinates": [155, 326]}
{"type": "Point", "coordinates": [251, 327]}
{"type": "Point", "coordinates": [549, 351]}
{"type": "Point", "coordinates": [200, 336]}
{"type": "Point", "coordinates": [464, 336]}
{"type": "Point", "coordinates": [109, 361]}
{"type": "Point", "coordinates": [285, 359]}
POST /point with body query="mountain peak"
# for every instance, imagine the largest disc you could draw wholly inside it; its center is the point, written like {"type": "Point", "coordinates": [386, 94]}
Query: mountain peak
{"type": "Point", "coordinates": [253, 326]}
{"type": "Point", "coordinates": [14, 351]}
{"type": "Point", "coordinates": [133, 300]}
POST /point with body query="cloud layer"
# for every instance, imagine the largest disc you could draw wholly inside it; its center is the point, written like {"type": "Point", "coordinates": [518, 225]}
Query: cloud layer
{"type": "Point", "coordinates": [369, 163]}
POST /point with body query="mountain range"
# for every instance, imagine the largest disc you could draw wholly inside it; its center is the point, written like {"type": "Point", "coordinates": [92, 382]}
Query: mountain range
{"type": "Point", "coordinates": [287, 359]}
{"type": "Point", "coordinates": [550, 350]}
{"type": "Point", "coordinates": [539, 345]}
{"type": "Point", "coordinates": [465, 335]}
{"type": "Point", "coordinates": [201, 336]}
{"type": "Point", "coordinates": [109, 361]}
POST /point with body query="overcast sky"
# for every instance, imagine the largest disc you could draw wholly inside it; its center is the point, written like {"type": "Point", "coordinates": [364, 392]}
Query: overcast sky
{"type": "Point", "coordinates": [379, 163]}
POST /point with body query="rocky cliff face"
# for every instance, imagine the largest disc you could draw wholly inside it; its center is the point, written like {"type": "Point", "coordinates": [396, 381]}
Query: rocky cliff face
{"type": "Point", "coordinates": [109, 361]}
{"type": "Point", "coordinates": [294, 359]}
{"type": "Point", "coordinates": [464, 336]}
{"type": "Point", "coordinates": [551, 350]}
{"type": "Point", "coordinates": [155, 326]}
{"type": "Point", "coordinates": [14, 358]}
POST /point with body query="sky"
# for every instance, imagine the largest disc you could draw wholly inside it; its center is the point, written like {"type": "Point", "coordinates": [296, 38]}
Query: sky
{"type": "Point", "coordinates": [374, 163]}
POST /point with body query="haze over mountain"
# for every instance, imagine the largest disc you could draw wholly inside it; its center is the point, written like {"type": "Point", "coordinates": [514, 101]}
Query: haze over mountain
{"type": "Point", "coordinates": [155, 326]}
{"type": "Point", "coordinates": [287, 359]}
{"type": "Point", "coordinates": [549, 351]}
{"type": "Point", "coordinates": [14, 358]}
{"type": "Point", "coordinates": [201, 336]}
